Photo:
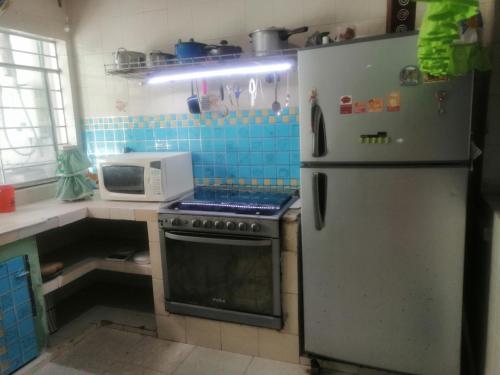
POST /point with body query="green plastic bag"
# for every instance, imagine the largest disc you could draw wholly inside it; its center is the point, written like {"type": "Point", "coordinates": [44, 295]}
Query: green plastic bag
{"type": "Point", "coordinates": [438, 52]}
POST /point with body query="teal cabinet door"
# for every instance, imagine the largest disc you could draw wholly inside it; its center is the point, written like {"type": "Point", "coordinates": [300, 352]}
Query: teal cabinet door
{"type": "Point", "coordinates": [18, 341]}
{"type": "Point", "coordinates": [21, 296]}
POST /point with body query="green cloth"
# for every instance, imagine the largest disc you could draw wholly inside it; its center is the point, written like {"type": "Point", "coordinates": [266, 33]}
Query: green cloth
{"type": "Point", "coordinates": [74, 188]}
{"type": "Point", "coordinates": [438, 53]}
{"type": "Point", "coordinates": [72, 185]}
{"type": "Point", "coordinates": [71, 161]}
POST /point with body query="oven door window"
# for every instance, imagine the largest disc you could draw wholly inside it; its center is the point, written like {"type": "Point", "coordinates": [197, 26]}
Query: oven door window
{"type": "Point", "coordinates": [126, 179]}
{"type": "Point", "coordinates": [221, 272]}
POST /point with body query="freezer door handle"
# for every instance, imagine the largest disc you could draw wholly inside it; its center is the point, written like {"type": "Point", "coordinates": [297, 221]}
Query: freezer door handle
{"type": "Point", "coordinates": [319, 196]}
{"type": "Point", "coordinates": [318, 129]}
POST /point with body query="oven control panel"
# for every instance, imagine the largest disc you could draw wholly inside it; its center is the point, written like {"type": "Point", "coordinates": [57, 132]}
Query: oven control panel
{"type": "Point", "coordinates": [214, 224]}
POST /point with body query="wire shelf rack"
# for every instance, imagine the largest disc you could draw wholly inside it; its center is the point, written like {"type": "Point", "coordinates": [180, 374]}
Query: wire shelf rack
{"type": "Point", "coordinates": [145, 70]}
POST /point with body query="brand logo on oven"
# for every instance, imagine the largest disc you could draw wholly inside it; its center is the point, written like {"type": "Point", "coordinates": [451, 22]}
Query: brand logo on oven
{"type": "Point", "coordinates": [218, 300]}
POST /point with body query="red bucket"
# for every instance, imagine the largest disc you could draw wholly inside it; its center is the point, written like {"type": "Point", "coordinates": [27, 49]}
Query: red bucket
{"type": "Point", "coordinates": [7, 198]}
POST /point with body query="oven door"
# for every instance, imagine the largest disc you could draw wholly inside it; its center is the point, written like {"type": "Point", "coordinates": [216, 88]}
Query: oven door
{"type": "Point", "coordinates": [225, 278]}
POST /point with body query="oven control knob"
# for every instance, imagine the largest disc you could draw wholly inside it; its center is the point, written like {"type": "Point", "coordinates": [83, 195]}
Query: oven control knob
{"type": "Point", "coordinates": [176, 221]}
{"type": "Point", "coordinates": [230, 225]}
{"type": "Point", "coordinates": [242, 226]}
{"type": "Point", "coordinates": [196, 223]}
{"type": "Point", "coordinates": [219, 225]}
{"type": "Point", "coordinates": [255, 227]}
{"type": "Point", "coordinates": [207, 224]}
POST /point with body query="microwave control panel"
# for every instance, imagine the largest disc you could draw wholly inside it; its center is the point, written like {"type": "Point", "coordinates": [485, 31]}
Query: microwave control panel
{"type": "Point", "coordinates": [155, 178]}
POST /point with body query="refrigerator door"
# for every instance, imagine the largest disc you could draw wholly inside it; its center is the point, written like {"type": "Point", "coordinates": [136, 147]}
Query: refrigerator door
{"type": "Point", "coordinates": [383, 254]}
{"type": "Point", "coordinates": [428, 122]}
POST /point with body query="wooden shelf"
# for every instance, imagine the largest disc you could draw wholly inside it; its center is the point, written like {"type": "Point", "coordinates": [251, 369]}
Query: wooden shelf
{"type": "Point", "coordinates": [85, 258]}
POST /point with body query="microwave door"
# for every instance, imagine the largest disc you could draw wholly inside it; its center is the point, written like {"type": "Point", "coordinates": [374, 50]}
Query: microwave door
{"type": "Point", "coordinates": [124, 179]}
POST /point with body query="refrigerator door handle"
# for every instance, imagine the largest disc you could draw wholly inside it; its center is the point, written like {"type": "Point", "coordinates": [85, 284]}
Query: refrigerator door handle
{"type": "Point", "coordinates": [318, 129]}
{"type": "Point", "coordinates": [319, 197]}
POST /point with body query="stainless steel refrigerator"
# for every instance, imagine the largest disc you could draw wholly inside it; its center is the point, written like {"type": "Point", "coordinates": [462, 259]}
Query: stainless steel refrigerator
{"type": "Point", "coordinates": [384, 172]}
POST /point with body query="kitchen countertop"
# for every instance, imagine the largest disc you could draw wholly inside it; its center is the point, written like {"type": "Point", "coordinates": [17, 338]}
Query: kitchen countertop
{"type": "Point", "coordinates": [31, 219]}
{"type": "Point", "coordinates": [35, 218]}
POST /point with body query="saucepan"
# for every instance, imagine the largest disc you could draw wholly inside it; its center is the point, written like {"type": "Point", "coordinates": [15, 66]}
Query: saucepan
{"type": "Point", "coordinates": [223, 49]}
{"type": "Point", "coordinates": [129, 59]}
{"type": "Point", "coordinates": [160, 58]}
{"type": "Point", "coordinates": [270, 39]}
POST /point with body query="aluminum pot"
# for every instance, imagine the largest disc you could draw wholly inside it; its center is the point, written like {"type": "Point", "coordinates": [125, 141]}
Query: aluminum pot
{"type": "Point", "coordinates": [160, 58]}
{"type": "Point", "coordinates": [129, 59]}
{"type": "Point", "coordinates": [270, 39]}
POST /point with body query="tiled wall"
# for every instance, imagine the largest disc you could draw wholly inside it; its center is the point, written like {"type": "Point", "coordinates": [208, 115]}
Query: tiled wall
{"type": "Point", "coordinates": [245, 148]}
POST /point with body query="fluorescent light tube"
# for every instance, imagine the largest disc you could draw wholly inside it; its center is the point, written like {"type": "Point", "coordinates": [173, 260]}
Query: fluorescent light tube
{"type": "Point", "coordinates": [221, 72]}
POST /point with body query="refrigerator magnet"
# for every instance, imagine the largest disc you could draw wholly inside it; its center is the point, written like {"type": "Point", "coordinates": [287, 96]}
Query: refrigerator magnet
{"type": "Point", "coordinates": [394, 101]}
{"type": "Point", "coordinates": [376, 105]}
{"type": "Point", "coordinates": [359, 107]}
{"type": "Point", "coordinates": [346, 105]}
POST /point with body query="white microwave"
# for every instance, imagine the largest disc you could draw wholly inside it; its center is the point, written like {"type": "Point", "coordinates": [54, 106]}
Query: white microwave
{"type": "Point", "coordinates": [145, 176]}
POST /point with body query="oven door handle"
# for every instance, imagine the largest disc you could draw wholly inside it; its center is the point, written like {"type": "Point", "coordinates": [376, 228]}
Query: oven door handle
{"type": "Point", "coordinates": [218, 241]}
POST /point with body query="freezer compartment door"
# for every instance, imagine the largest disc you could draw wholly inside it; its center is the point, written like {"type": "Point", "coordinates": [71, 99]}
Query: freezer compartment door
{"type": "Point", "coordinates": [386, 121]}
{"type": "Point", "coordinates": [383, 253]}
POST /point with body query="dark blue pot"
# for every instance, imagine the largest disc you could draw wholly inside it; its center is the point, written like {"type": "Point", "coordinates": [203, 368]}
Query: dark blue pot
{"type": "Point", "coordinates": [189, 50]}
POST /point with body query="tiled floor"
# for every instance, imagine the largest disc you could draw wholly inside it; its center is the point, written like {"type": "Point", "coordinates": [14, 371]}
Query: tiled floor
{"type": "Point", "coordinates": [111, 351]}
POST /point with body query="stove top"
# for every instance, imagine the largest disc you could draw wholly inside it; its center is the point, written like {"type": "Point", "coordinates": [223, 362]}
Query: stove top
{"type": "Point", "coordinates": [245, 202]}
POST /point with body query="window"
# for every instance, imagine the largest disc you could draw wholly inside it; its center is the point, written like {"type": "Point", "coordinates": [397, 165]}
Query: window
{"type": "Point", "coordinates": [32, 118]}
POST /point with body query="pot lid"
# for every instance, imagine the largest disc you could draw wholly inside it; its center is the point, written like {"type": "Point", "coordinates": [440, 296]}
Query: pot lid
{"type": "Point", "coordinates": [190, 42]}
{"type": "Point", "coordinates": [272, 28]}
{"type": "Point", "coordinates": [223, 44]}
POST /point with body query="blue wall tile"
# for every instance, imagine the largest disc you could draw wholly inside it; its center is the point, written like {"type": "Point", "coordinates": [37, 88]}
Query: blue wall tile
{"type": "Point", "coordinates": [269, 158]}
{"type": "Point", "coordinates": [283, 158]}
{"type": "Point", "coordinates": [256, 145]}
{"type": "Point", "coordinates": [244, 158]}
{"type": "Point", "coordinates": [268, 144]}
{"type": "Point", "coordinates": [250, 147]}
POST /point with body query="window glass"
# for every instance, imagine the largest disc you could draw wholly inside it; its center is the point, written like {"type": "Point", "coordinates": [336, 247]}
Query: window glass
{"type": "Point", "coordinates": [32, 118]}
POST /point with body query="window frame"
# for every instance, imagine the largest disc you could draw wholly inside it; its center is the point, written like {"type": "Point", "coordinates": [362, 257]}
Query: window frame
{"type": "Point", "coordinates": [44, 71]}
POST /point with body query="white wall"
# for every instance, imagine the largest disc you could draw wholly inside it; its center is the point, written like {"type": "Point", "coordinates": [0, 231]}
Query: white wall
{"type": "Point", "coordinates": [41, 17]}
{"type": "Point", "coordinates": [101, 26]}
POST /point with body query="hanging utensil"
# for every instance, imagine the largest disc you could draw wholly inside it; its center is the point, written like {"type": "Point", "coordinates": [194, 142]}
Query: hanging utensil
{"type": "Point", "coordinates": [229, 89]}
{"type": "Point", "coordinates": [222, 107]}
{"type": "Point", "coordinates": [276, 106]}
{"type": "Point", "coordinates": [252, 90]}
{"type": "Point", "coordinates": [204, 100]}
{"type": "Point", "coordinates": [221, 92]}
{"type": "Point", "coordinates": [287, 98]}
{"type": "Point", "coordinates": [193, 102]}
{"type": "Point", "coordinates": [237, 94]}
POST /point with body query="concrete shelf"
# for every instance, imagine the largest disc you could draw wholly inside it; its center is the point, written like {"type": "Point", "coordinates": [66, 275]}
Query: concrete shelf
{"type": "Point", "coordinates": [84, 258]}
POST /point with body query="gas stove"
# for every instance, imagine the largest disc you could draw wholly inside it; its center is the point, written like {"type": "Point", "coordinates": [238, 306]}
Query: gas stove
{"type": "Point", "coordinates": [217, 210]}
{"type": "Point", "coordinates": [221, 253]}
